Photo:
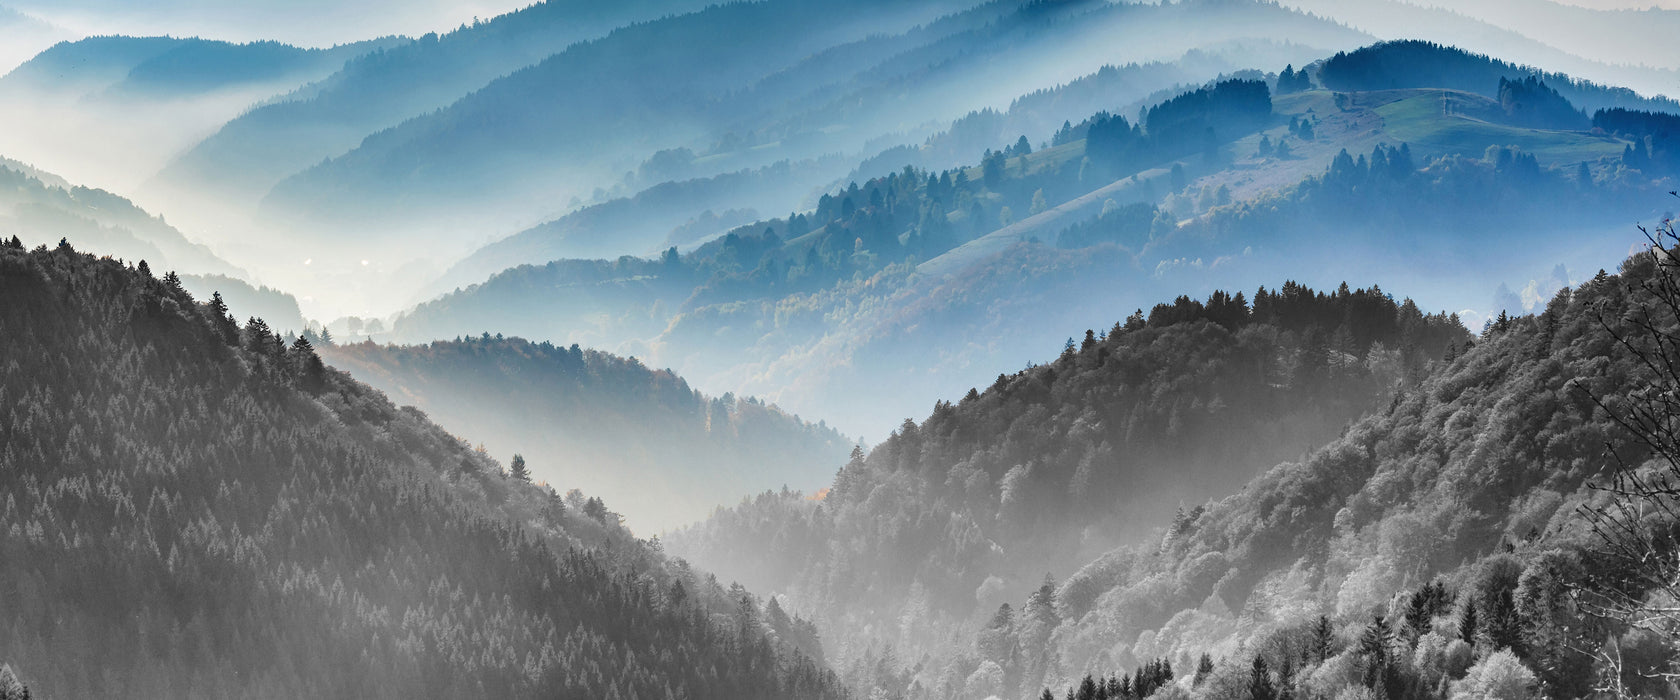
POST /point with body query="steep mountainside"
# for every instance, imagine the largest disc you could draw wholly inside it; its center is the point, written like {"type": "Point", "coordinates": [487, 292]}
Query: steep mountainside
{"type": "Point", "coordinates": [663, 453]}
{"type": "Point", "coordinates": [41, 208]}
{"type": "Point", "coordinates": [1420, 64]}
{"type": "Point", "coordinates": [642, 88]}
{"type": "Point", "coordinates": [167, 67]}
{"type": "Point", "coordinates": [819, 87]}
{"type": "Point", "coordinates": [112, 110]}
{"type": "Point", "coordinates": [294, 131]}
{"type": "Point", "coordinates": [1465, 491]}
{"type": "Point", "coordinates": [193, 509]}
{"type": "Point", "coordinates": [1478, 475]}
{"type": "Point", "coordinates": [635, 225]}
{"type": "Point", "coordinates": [948, 518]}
{"type": "Point", "coordinates": [933, 280]}
{"type": "Point", "coordinates": [938, 77]}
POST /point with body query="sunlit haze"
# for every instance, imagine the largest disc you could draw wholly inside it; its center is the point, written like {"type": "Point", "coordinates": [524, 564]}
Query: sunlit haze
{"type": "Point", "coordinates": [839, 349]}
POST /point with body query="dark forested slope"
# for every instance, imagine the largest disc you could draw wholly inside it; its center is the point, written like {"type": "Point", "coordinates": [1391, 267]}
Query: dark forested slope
{"type": "Point", "coordinates": [198, 511]}
{"type": "Point", "coordinates": [948, 518]}
{"type": "Point", "coordinates": [1479, 478]}
{"type": "Point", "coordinates": [1455, 511]}
{"type": "Point", "coordinates": [663, 453]}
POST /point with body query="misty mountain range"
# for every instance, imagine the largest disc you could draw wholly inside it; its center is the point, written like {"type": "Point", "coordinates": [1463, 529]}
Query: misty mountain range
{"type": "Point", "coordinates": [911, 350]}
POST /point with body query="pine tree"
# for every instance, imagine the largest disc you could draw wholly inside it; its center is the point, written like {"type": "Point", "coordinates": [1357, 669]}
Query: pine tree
{"type": "Point", "coordinates": [222, 320]}
{"type": "Point", "coordinates": [1467, 623]}
{"type": "Point", "coordinates": [173, 282]}
{"type": "Point", "coordinates": [10, 687]}
{"type": "Point", "coordinates": [1419, 611]}
{"type": "Point", "coordinates": [1260, 681]}
{"type": "Point", "coordinates": [306, 365]}
{"type": "Point", "coordinates": [1323, 639]}
{"type": "Point", "coordinates": [1087, 689]}
{"type": "Point", "coordinates": [517, 469]}
{"type": "Point", "coordinates": [258, 338]}
{"type": "Point", "coordinates": [1376, 645]}
{"type": "Point", "coordinates": [1204, 668]}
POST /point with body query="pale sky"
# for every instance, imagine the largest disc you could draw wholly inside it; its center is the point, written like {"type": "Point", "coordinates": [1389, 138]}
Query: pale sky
{"type": "Point", "coordinates": [1624, 4]}
{"type": "Point", "coordinates": [299, 22]}
{"type": "Point", "coordinates": [327, 22]}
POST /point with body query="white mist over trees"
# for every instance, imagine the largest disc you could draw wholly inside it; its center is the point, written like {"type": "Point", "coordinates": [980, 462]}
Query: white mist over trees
{"type": "Point", "coordinates": [666, 349]}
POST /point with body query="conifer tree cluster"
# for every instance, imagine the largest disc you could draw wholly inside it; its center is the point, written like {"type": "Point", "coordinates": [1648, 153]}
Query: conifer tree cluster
{"type": "Point", "coordinates": [196, 508]}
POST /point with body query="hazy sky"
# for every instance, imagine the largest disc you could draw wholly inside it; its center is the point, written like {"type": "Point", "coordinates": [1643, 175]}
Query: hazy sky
{"type": "Point", "coordinates": [1624, 4]}
{"type": "Point", "coordinates": [302, 22]}
{"type": "Point", "coordinates": [327, 22]}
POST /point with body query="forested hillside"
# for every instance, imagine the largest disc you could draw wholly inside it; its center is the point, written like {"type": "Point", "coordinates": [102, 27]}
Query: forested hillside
{"type": "Point", "coordinates": [1420, 64]}
{"type": "Point", "coordinates": [1460, 25]}
{"type": "Point", "coordinates": [1251, 350]}
{"type": "Point", "coordinates": [950, 517]}
{"type": "Point", "coordinates": [1460, 512]}
{"type": "Point", "coordinates": [767, 122]}
{"type": "Point", "coordinates": [640, 438]}
{"type": "Point", "coordinates": [1234, 174]}
{"type": "Point", "coordinates": [839, 276]}
{"type": "Point", "coordinates": [194, 509]}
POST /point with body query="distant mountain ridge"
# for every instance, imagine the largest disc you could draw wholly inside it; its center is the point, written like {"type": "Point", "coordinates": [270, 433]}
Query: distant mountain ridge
{"type": "Point", "coordinates": [924, 270]}
{"type": "Point", "coordinates": [42, 208]}
{"type": "Point", "coordinates": [168, 65]}
{"type": "Point", "coordinates": [662, 453]}
{"type": "Point", "coordinates": [379, 90]}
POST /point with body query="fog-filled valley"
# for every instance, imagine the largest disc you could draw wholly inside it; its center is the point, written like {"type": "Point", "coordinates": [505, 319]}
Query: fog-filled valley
{"type": "Point", "coordinates": [914, 350]}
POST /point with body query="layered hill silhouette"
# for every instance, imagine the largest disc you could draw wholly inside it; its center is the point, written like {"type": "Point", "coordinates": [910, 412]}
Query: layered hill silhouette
{"type": "Point", "coordinates": [194, 508]}
{"type": "Point", "coordinates": [915, 274]}
{"type": "Point", "coordinates": [626, 276]}
{"type": "Point", "coordinates": [640, 438]}
{"type": "Point", "coordinates": [1463, 482]}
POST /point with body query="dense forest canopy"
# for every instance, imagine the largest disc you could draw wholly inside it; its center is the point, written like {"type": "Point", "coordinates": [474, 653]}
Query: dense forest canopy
{"type": "Point", "coordinates": [555, 240]}
{"type": "Point", "coordinates": [196, 509]}
{"type": "Point", "coordinates": [1420, 64]}
{"type": "Point", "coordinates": [1461, 517]}
{"type": "Point", "coordinates": [1454, 510]}
{"type": "Point", "coordinates": [1051, 465]}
